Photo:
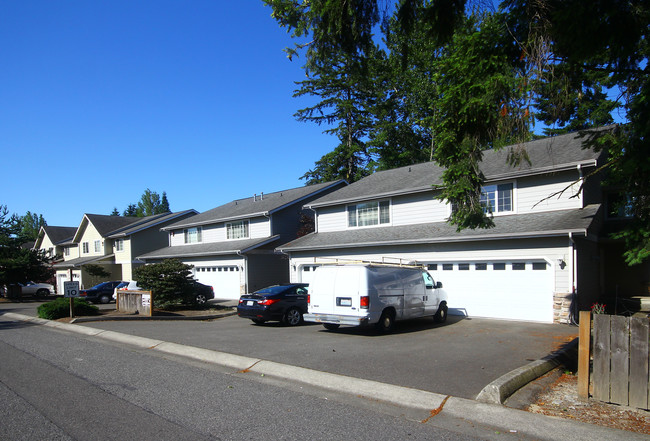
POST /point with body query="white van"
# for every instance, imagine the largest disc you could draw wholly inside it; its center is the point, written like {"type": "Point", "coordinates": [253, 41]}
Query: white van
{"type": "Point", "coordinates": [371, 294]}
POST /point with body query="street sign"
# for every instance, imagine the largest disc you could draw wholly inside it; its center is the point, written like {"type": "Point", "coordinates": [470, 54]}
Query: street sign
{"type": "Point", "coordinates": [71, 289]}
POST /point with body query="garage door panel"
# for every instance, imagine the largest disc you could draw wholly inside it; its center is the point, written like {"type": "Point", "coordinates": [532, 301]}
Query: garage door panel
{"type": "Point", "coordinates": [225, 280]}
{"type": "Point", "coordinates": [523, 294]}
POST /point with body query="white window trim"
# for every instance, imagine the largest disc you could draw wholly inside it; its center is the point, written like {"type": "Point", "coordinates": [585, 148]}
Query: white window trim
{"type": "Point", "coordinates": [247, 228]}
{"type": "Point", "coordinates": [497, 213]}
{"type": "Point", "coordinates": [97, 246]}
{"type": "Point", "coordinates": [186, 235]}
{"type": "Point", "coordinates": [119, 245]}
{"type": "Point", "coordinates": [85, 248]}
{"type": "Point", "coordinates": [379, 224]}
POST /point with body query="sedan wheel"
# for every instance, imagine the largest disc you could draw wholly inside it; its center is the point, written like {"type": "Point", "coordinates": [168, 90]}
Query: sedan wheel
{"type": "Point", "coordinates": [292, 317]}
{"type": "Point", "coordinates": [201, 299]}
{"type": "Point", "coordinates": [105, 298]}
{"type": "Point", "coordinates": [42, 292]}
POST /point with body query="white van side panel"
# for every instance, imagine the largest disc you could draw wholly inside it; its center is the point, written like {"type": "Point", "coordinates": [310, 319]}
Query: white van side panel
{"type": "Point", "coordinates": [336, 291]}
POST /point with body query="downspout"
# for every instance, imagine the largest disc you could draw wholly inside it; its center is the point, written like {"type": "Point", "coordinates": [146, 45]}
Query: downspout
{"type": "Point", "coordinates": [315, 219]}
{"type": "Point", "coordinates": [244, 271]}
{"type": "Point", "coordinates": [268, 216]}
{"type": "Point", "coordinates": [582, 193]}
{"type": "Point", "coordinates": [574, 259]}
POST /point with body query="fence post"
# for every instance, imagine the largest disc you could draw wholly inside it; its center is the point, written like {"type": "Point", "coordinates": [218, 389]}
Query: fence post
{"type": "Point", "coordinates": [584, 346]}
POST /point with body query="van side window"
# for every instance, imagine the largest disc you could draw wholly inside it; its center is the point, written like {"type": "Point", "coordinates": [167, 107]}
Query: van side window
{"type": "Point", "coordinates": [428, 281]}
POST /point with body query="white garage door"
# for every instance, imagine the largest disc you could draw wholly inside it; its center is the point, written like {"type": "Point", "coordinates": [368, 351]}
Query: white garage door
{"type": "Point", "coordinates": [307, 273]}
{"type": "Point", "coordinates": [225, 280]}
{"type": "Point", "coordinates": [521, 290]}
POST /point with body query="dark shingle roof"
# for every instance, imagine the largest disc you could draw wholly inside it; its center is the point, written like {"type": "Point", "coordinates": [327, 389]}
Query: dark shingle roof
{"type": "Point", "coordinates": [208, 249]}
{"type": "Point", "coordinates": [120, 226]}
{"type": "Point", "coordinates": [251, 206]}
{"type": "Point", "coordinates": [551, 223]}
{"type": "Point", "coordinates": [149, 222]}
{"type": "Point", "coordinates": [59, 235]}
{"type": "Point", "coordinates": [546, 155]}
{"type": "Point", "coordinates": [106, 224]}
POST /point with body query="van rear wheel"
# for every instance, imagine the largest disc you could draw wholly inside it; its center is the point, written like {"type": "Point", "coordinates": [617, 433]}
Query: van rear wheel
{"type": "Point", "coordinates": [331, 326]}
{"type": "Point", "coordinates": [385, 323]}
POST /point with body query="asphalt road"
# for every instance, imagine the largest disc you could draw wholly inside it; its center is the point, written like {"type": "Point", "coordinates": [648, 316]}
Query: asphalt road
{"type": "Point", "coordinates": [457, 358]}
{"type": "Point", "coordinates": [60, 386]}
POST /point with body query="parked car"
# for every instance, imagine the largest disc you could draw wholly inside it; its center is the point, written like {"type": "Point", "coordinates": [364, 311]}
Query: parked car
{"type": "Point", "coordinates": [202, 292]}
{"type": "Point", "coordinates": [130, 286]}
{"type": "Point", "coordinates": [285, 303]}
{"type": "Point", "coordinates": [36, 289]}
{"type": "Point", "coordinates": [101, 293]}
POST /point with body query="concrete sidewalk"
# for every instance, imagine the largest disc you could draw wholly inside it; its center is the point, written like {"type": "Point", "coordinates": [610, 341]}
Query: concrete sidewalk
{"type": "Point", "coordinates": [493, 416]}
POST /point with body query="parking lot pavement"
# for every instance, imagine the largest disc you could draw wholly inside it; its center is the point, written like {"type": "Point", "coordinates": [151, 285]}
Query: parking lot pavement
{"type": "Point", "coordinates": [458, 358]}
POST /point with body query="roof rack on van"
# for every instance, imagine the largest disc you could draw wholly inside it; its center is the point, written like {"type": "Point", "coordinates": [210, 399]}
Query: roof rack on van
{"type": "Point", "coordinates": [383, 262]}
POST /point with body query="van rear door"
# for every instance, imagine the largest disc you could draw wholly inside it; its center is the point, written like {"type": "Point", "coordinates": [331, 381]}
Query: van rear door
{"type": "Point", "coordinates": [335, 290]}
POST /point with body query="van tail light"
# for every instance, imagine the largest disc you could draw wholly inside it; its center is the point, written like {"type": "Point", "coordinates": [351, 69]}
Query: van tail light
{"type": "Point", "coordinates": [309, 299]}
{"type": "Point", "coordinates": [364, 302]}
{"type": "Point", "coordinates": [268, 302]}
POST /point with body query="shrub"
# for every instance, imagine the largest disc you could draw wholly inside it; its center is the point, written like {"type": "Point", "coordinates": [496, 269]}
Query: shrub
{"type": "Point", "coordinates": [60, 308]}
{"type": "Point", "coordinates": [170, 281]}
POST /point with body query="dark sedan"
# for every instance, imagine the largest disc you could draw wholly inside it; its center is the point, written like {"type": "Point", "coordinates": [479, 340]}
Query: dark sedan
{"type": "Point", "coordinates": [101, 293]}
{"type": "Point", "coordinates": [285, 303]}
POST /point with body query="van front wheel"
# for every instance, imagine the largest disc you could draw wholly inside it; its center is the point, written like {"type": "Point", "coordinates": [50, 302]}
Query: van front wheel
{"type": "Point", "coordinates": [385, 323]}
{"type": "Point", "coordinates": [441, 315]}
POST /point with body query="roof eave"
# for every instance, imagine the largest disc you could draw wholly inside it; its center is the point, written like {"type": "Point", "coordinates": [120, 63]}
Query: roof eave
{"type": "Point", "coordinates": [447, 239]}
{"type": "Point", "coordinates": [488, 179]}
{"type": "Point", "coordinates": [215, 221]}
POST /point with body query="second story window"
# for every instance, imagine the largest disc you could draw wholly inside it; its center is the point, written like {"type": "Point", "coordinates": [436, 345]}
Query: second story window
{"type": "Point", "coordinates": [369, 213]}
{"type": "Point", "coordinates": [496, 198]}
{"type": "Point", "coordinates": [98, 246]}
{"type": "Point", "coordinates": [192, 235]}
{"type": "Point", "coordinates": [85, 247]}
{"type": "Point", "coordinates": [119, 245]}
{"type": "Point", "coordinates": [66, 251]}
{"type": "Point", "coordinates": [237, 230]}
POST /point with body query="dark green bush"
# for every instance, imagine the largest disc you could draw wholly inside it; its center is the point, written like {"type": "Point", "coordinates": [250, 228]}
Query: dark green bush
{"type": "Point", "coordinates": [170, 281]}
{"type": "Point", "coordinates": [60, 308]}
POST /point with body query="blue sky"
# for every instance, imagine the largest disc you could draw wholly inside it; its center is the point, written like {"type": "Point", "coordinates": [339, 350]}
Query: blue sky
{"type": "Point", "coordinates": [100, 100]}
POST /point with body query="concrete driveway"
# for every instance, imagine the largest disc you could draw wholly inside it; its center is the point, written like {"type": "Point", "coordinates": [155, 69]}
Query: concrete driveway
{"type": "Point", "coordinates": [458, 358]}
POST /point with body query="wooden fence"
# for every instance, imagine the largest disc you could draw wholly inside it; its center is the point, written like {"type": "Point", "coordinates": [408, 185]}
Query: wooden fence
{"type": "Point", "coordinates": [621, 359]}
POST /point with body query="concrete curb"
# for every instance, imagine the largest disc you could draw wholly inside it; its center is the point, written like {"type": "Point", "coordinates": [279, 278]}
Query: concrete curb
{"type": "Point", "coordinates": [144, 317]}
{"type": "Point", "coordinates": [500, 389]}
{"type": "Point", "coordinates": [490, 416]}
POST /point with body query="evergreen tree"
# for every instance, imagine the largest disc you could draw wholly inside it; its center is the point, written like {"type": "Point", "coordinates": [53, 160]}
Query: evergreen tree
{"type": "Point", "coordinates": [164, 204]}
{"type": "Point", "coordinates": [131, 210]}
{"type": "Point", "coordinates": [483, 80]}
{"type": "Point", "coordinates": [18, 264]}
{"type": "Point", "coordinates": [30, 225]}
